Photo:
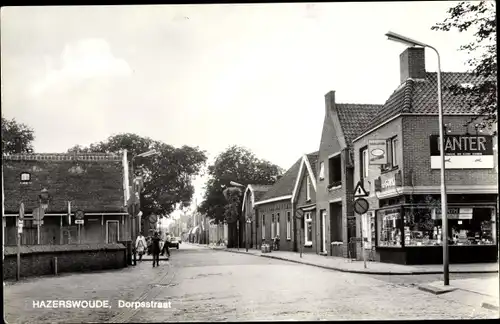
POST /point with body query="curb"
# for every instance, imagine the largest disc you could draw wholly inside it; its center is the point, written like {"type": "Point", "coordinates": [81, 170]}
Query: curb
{"type": "Point", "coordinates": [384, 273]}
{"type": "Point", "coordinates": [436, 290]}
{"type": "Point", "coordinates": [489, 306]}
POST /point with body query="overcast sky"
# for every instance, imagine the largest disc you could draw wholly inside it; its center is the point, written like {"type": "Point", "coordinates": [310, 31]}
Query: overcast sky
{"type": "Point", "coordinates": [206, 75]}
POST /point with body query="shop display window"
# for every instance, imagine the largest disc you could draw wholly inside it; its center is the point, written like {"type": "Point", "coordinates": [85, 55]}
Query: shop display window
{"type": "Point", "coordinates": [389, 227]}
{"type": "Point", "coordinates": [466, 226]}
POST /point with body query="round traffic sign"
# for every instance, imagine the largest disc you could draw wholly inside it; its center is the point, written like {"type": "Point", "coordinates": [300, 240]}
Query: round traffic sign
{"type": "Point", "coordinates": [361, 205]}
{"type": "Point", "coordinates": [79, 214]}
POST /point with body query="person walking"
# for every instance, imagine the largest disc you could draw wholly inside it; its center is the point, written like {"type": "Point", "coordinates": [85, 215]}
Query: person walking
{"type": "Point", "coordinates": [166, 246]}
{"type": "Point", "coordinates": [156, 249]}
{"type": "Point", "coordinates": [140, 245]}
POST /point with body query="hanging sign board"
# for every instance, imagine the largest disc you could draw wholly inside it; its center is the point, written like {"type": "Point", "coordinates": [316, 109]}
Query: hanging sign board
{"type": "Point", "coordinates": [377, 152]}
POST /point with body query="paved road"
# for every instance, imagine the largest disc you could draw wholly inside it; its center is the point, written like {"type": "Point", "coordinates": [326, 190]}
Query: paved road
{"type": "Point", "coordinates": [208, 285]}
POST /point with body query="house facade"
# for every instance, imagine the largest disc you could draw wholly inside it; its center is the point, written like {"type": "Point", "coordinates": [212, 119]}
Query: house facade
{"type": "Point", "coordinates": [403, 224]}
{"type": "Point", "coordinates": [335, 181]}
{"type": "Point", "coordinates": [274, 212]}
{"type": "Point", "coordinates": [88, 195]}
{"type": "Point", "coordinates": [252, 194]}
{"type": "Point", "coordinates": [310, 226]}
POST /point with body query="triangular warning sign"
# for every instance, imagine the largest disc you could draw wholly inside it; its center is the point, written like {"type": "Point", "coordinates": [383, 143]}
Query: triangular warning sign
{"type": "Point", "coordinates": [360, 191]}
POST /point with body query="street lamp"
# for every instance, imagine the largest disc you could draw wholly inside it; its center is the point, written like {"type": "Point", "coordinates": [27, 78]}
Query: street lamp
{"type": "Point", "coordinates": [134, 234]}
{"type": "Point", "coordinates": [444, 208]}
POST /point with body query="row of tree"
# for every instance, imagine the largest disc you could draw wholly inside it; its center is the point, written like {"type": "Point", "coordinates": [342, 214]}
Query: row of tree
{"type": "Point", "coordinates": [168, 176]}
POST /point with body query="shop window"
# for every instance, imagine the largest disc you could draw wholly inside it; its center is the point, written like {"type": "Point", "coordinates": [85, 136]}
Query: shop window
{"type": "Point", "coordinates": [363, 163]}
{"type": "Point", "coordinates": [335, 172]}
{"type": "Point", "coordinates": [272, 225]}
{"type": "Point", "coordinates": [389, 224]}
{"type": "Point", "coordinates": [288, 226]}
{"type": "Point", "coordinates": [307, 229]}
{"type": "Point", "coordinates": [322, 171]}
{"type": "Point", "coordinates": [308, 188]}
{"type": "Point", "coordinates": [278, 224]}
{"type": "Point", "coordinates": [466, 226]}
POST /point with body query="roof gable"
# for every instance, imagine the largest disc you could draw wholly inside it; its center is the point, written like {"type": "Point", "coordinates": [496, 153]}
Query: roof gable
{"type": "Point", "coordinates": [92, 182]}
{"type": "Point", "coordinates": [256, 191]}
{"type": "Point", "coordinates": [305, 168]}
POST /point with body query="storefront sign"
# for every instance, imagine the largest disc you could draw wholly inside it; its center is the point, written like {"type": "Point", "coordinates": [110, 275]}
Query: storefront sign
{"type": "Point", "coordinates": [453, 213]}
{"type": "Point", "coordinates": [388, 183]}
{"type": "Point", "coordinates": [463, 152]}
{"type": "Point", "coordinates": [377, 152]}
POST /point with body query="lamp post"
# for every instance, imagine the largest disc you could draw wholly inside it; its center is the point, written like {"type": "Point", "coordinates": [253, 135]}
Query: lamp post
{"type": "Point", "coordinates": [134, 234]}
{"type": "Point", "coordinates": [444, 208]}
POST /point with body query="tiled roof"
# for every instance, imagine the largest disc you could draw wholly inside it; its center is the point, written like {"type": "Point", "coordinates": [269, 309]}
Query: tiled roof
{"type": "Point", "coordinates": [354, 118]}
{"type": "Point", "coordinates": [313, 161]}
{"type": "Point", "coordinates": [420, 97]}
{"type": "Point", "coordinates": [92, 182]}
{"type": "Point", "coordinates": [283, 186]}
{"type": "Point", "coordinates": [425, 99]}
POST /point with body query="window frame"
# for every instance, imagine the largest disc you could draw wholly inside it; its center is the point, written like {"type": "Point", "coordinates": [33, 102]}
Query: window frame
{"type": "Point", "coordinates": [272, 226]}
{"type": "Point", "coordinates": [391, 154]}
{"type": "Point", "coordinates": [394, 157]}
{"type": "Point", "coordinates": [307, 219]}
{"type": "Point", "coordinates": [277, 224]}
{"type": "Point", "coordinates": [322, 170]}
{"type": "Point", "coordinates": [263, 227]}
{"type": "Point", "coordinates": [288, 225]}
{"type": "Point", "coordinates": [333, 182]}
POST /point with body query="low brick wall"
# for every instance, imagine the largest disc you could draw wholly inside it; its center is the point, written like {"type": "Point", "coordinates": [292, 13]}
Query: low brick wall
{"type": "Point", "coordinates": [38, 260]}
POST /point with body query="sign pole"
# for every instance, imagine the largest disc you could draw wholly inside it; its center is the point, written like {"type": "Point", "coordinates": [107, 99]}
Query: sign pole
{"type": "Point", "coordinates": [362, 242]}
{"type": "Point", "coordinates": [18, 239]}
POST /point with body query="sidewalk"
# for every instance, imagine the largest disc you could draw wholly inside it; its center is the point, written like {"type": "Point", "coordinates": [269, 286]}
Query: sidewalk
{"type": "Point", "coordinates": [345, 265]}
{"type": "Point", "coordinates": [482, 292]}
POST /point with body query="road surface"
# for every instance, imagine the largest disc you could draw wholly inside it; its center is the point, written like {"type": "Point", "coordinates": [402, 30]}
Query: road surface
{"type": "Point", "coordinates": [199, 284]}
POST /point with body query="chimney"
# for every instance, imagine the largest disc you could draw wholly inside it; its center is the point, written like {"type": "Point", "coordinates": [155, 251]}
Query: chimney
{"type": "Point", "coordinates": [412, 63]}
{"type": "Point", "coordinates": [329, 101]}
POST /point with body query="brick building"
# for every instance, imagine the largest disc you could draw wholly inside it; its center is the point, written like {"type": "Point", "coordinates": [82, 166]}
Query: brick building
{"type": "Point", "coordinates": [252, 194]}
{"type": "Point", "coordinates": [335, 182]}
{"type": "Point", "coordinates": [274, 208]}
{"type": "Point", "coordinates": [95, 184]}
{"type": "Point", "coordinates": [403, 224]}
{"type": "Point", "coordinates": [308, 229]}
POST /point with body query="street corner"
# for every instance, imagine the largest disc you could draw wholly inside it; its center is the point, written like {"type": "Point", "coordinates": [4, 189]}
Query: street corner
{"type": "Point", "coordinates": [436, 288]}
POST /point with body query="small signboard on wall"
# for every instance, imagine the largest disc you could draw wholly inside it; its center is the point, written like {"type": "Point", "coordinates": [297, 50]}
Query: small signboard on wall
{"type": "Point", "coordinates": [377, 152]}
